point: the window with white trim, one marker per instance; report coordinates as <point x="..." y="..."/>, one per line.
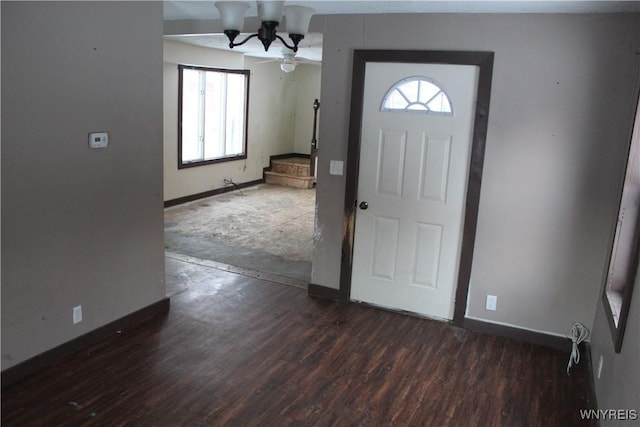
<point x="417" y="94"/>
<point x="212" y="115"/>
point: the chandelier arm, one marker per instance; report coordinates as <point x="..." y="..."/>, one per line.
<point x="293" y="48"/>
<point x="232" y="44"/>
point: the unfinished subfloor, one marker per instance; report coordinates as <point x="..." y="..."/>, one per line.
<point x="263" y="231"/>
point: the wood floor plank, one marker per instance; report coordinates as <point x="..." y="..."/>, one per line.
<point x="237" y="351"/>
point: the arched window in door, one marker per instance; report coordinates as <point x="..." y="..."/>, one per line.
<point x="417" y="94"/>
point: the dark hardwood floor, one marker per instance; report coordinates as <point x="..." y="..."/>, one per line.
<point x="237" y="351"/>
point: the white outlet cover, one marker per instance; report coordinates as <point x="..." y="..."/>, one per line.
<point x="492" y="302"/>
<point x="77" y="314"/>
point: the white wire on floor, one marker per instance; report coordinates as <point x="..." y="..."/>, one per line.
<point x="578" y="333"/>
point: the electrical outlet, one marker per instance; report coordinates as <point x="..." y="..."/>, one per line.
<point x="492" y="302"/>
<point x="600" y="363"/>
<point x="77" y="314"/>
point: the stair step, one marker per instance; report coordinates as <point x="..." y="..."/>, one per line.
<point x="288" y="180"/>
<point x="295" y="166"/>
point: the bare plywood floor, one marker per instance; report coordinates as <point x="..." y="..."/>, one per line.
<point x="237" y="351"/>
<point x="266" y="228"/>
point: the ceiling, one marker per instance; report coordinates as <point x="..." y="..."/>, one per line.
<point x="204" y="9"/>
<point x="311" y="46"/>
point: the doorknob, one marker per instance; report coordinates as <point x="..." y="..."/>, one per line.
<point x="364" y="205"/>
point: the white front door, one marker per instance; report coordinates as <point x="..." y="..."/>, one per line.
<point x="412" y="182"/>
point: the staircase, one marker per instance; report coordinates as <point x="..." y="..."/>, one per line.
<point x="290" y="171"/>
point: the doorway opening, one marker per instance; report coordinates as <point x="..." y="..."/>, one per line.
<point x="220" y="212"/>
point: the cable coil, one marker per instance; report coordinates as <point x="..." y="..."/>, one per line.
<point x="578" y="333"/>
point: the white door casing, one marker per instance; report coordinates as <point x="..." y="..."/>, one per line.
<point x="413" y="173"/>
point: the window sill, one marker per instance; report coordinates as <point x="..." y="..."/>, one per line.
<point x="210" y="162"/>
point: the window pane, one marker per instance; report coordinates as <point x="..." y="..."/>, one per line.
<point x="191" y="147"/>
<point x="235" y="114"/>
<point x="395" y="101"/>
<point x="410" y="89"/>
<point x="440" y="104"/>
<point x="214" y="115"/>
<point x="427" y="91"/>
<point x="417" y="107"/>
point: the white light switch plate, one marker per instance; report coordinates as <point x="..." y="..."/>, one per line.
<point x="98" y="139"/>
<point x="336" y="167"/>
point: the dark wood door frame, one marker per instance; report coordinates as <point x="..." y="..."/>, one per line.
<point x="484" y="61"/>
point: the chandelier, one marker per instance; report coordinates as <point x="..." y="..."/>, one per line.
<point x="270" y="13"/>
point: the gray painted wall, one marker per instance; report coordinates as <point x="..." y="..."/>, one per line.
<point x="79" y="226"/>
<point x="561" y="111"/>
